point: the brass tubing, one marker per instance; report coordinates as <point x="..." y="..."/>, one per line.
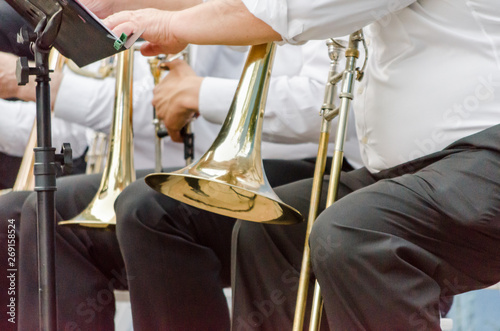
<point x="25" y="180"/>
<point x="334" y="50"/>
<point x="119" y="170"/>
<point x="319" y="171"/>
<point x="345" y="104"/>
<point x="229" y="178"/>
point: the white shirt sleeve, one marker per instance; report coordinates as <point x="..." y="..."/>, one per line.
<point x="294" y="98"/>
<point x="296" y="93"/>
<point x="17" y="122"/>
<point x="297" y="20"/>
<point x="216" y="95"/>
<point x="296" y="90"/>
<point x="86" y="101"/>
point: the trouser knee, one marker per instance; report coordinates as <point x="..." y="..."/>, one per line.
<point x="140" y="208"/>
<point x="248" y="235"/>
<point x="331" y="239"/>
<point x="131" y="204"/>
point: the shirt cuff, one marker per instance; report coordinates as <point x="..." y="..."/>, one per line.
<point x="275" y="14"/>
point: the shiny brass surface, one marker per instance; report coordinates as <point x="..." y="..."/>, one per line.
<point x="335" y="50"/>
<point x="229" y="178"/>
<point x="328" y="111"/>
<point x="96" y="154"/>
<point x="351" y="73"/>
<point x="119" y="170"/>
<point x="25" y="180"/>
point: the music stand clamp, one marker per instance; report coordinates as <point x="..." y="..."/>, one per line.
<point x="46" y="160"/>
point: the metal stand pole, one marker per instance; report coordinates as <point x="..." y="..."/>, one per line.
<point x="45" y="163"/>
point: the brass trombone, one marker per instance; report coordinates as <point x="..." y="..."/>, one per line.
<point x="105" y="69"/>
<point x="229" y="178"/>
<point x="96" y="153"/>
<point x="119" y="169"/>
<point x="25" y="180"/>
<point x="328" y="112"/>
<point x="95" y="156"/>
<point x="348" y="76"/>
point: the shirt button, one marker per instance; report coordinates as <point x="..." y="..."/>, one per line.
<point x="364" y="140"/>
<point x="361" y="89"/>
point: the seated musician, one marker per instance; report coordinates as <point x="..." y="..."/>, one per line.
<point x="421" y="220"/>
<point x="294" y="99"/>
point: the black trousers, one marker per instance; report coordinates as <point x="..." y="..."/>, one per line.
<point x="387" y="250"/>
<point x="9" y="167"/>
<point x="89" y="264"/>
<point x="10" y="211"/>
<point x="10" y="223"/>
<point x="177" y="257"/>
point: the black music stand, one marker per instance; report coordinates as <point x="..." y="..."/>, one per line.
<point x="67" y="26"/>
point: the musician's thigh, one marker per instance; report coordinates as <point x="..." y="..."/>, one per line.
<point x="450" y="208"/>
<point x="290" y="239"/>
<point x="280" y="172"/>
<point x="74" y="193"/>
<point x="10" y="208"/>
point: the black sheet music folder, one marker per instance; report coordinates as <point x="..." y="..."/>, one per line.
<point x="82" y="36"/>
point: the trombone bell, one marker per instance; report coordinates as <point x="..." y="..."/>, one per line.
<point x="119" y="169"/>
<point x="229" y="178"/>
<point x="194" y="187"/>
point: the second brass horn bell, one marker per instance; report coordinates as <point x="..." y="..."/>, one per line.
<point x="119" y="170"/>
<point x="229" y="178"/>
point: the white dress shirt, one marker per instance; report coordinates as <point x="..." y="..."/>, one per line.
<point x="90" y="102"/>
<point x="291" y="118"/>
<point x="16" y="122"/>
<point x="433" y="71"/>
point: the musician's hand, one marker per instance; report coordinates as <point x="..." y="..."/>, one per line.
<point x="9" y="89"/>
<point x="8" y="81"/>
<point x="176" y="98"/>
<point x="154" y="25"/>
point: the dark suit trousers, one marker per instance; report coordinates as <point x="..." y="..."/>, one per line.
<point x="178" y="257"/>
<point x="89" y="264"/>
<point x="387" y="250"/>
<point x="11" y="204"/>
